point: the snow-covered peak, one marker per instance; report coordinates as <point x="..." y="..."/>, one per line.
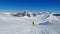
<point x="5" y="14"/>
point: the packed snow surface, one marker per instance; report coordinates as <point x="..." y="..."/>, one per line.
<point x="44" y="24"/>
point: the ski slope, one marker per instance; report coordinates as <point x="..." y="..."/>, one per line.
<point x="23" y="25"/>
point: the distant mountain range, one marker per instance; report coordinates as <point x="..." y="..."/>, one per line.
<point x="29" y="14"/>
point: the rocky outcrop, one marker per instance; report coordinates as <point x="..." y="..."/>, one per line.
<point x="22" y="14"/>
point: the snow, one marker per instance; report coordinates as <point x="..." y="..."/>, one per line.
<point x="23" y="25"/>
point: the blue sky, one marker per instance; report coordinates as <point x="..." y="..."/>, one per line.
<point x="30" y="5"/>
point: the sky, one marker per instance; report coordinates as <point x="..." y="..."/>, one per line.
<point x="30" y="5"/>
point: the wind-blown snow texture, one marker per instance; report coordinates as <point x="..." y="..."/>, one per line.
<point x="45" y="24"/>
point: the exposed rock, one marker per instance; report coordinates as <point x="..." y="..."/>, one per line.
<point x="22" y="14"/>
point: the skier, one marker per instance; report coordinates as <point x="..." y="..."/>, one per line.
<point x="33" y="24"/>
